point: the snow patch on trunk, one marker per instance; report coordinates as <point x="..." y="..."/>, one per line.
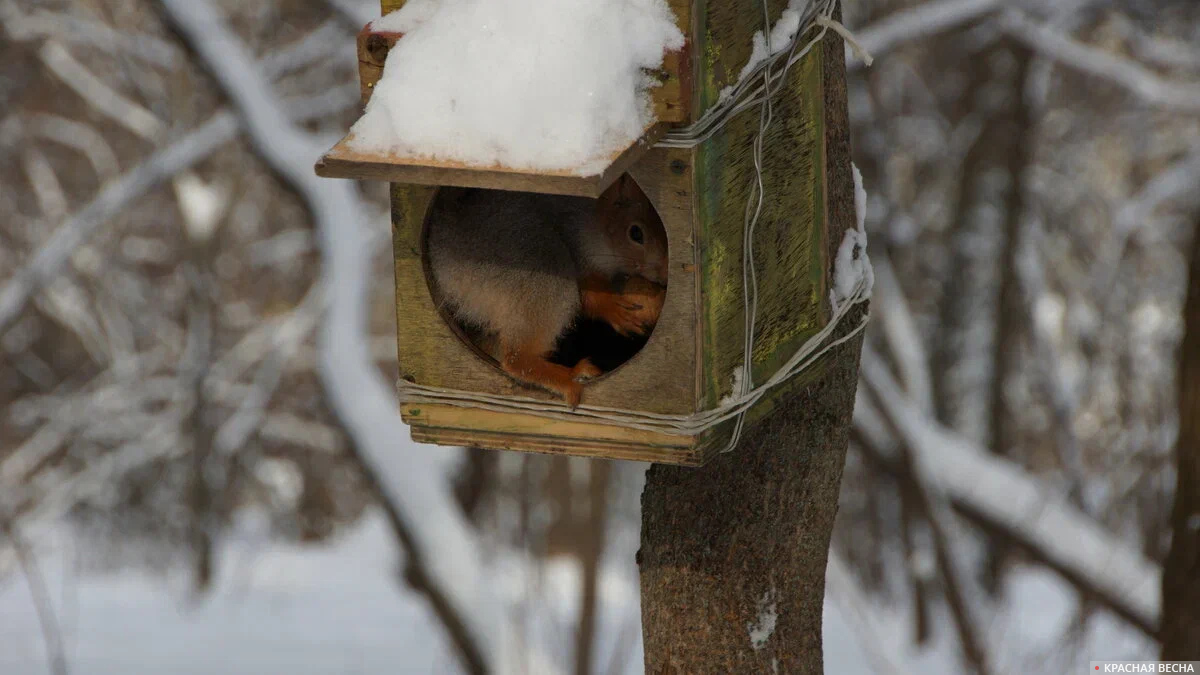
<point x="852" y="264"/>
<point x="761" y="630"/>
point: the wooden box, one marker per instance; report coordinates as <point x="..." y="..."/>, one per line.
<point x="688" y="363"/>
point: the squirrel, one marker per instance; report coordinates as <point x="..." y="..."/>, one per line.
<point x="521" y="268"/>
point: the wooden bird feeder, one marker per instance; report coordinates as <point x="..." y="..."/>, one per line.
<point x="687" y="365"/>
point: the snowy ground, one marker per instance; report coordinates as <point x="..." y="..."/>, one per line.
<point x="275" y="609"/>
<point x="337" y="608"/>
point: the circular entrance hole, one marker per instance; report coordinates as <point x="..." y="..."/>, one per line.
<point x="554" y="291"/>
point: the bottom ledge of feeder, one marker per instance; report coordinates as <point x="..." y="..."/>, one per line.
<point x="441" y="424"/>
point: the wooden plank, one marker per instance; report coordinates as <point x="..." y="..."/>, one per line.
<point x="555" y="446"/>
<point x="343" y="162"/>
<point x="373" y="48"/>
<point x="663" y="377"/>
<point x="790" y="238"/>
<point x="448" y="425"/>
<point x="660" y="378"/>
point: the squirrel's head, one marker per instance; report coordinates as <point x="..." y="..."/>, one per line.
<point x="633" y="232"/>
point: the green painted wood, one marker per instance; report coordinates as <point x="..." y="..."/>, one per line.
<point x="790" y="237"/>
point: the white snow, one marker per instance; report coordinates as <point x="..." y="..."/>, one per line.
<point x="275" y="608"/>
<point x="1031" y="630"/>
<point x="1005" y="495"/>
<point x="410" y="476"/>
<point x="533" y="84"/>
<point x="202" y="206"/>
<point x="739" y="374"/>
<point x="852" y="263"/>
<point x="783" y="32"/>
<point x="761" y="630"/>
<point x="337" y="607"/>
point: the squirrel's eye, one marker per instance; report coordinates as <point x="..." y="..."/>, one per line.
<point x="635" y="233"/>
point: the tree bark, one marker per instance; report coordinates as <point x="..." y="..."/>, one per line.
<point x="733" y="555"/>
<point x="1018" y="123"/>
<point x="1180" y="623"/>
<point x="590" y="555"/>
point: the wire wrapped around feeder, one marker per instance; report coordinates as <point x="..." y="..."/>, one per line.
<point x="715" y="168"/>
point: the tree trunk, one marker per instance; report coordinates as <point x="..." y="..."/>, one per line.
<point x="983" y="284"/>
<point x="1180" y="623"/>
<point x="733" y="555"/>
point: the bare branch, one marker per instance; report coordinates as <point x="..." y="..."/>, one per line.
<point x="1106" y="65"/>
<point x="67" y="28"/>
<point x="994" y="491"/>
<point x="900" y="330"/>
<point x="113" y="199"/>
<point x="924" y="20"/>
<point x="56" y="655"/>
<point x="358" y="394"/>
<point x="861" y="612"/>
<point x="47" y="189"/>
<point x="357" y="13"/>
<point x="1176" y="183"/>
<point x="118" y="195"/>
<point x="115" y="106"/>
<point x="1181" y="582"/>
<point x="79" y="136"/>
<point x="931" y="505"/>
<point x="318" y="45"/>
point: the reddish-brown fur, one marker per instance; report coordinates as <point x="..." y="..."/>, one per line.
<point x="502" y="264"/>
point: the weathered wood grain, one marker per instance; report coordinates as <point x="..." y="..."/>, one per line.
<point x="790" y="236"/>
<point x="343" y="162"/>
<point x="448" y="425"/>
<point x="660" y="378"/>
<point x="372" y="48"/>
<point x="701" y="194"/>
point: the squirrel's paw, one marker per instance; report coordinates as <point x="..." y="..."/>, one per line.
<point x="637" y="307"/>
<point x="573" y="392"/>
<point x="585" y="370"/>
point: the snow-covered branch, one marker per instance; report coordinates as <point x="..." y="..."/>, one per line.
<point x="114" y="198"/>
<point x="65" y="27"/>
<point x="919" y="22"/>
<point x="122" y="192"/>
<point x="1126" y="73"/>
<point x="1000" y="494"/>
<point x="357" y="13"/>
<point x="900" y="329"/>
<point x="441" y="546"/>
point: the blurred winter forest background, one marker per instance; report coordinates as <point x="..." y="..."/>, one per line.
<point x="200" y="469"/>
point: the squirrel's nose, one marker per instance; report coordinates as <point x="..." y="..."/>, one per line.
<point x="656" y="273"/>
